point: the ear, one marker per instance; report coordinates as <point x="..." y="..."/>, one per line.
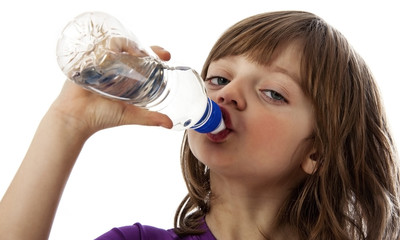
<point x="309" y="164"/>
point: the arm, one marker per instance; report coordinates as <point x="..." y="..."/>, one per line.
<point x="28" y="207"/>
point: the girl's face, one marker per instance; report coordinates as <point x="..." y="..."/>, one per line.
<point x="268" y="118"/>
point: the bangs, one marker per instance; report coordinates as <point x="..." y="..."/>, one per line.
<point x="261" y="37"/>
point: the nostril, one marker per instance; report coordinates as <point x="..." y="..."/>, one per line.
<point x="231" y="96"/>
<point x="228" y="101"/>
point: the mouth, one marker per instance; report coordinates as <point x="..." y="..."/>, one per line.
<point x="221" y="136"/>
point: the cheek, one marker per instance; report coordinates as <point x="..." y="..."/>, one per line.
<point x="267" y="139"/>
<point x="277" y="139"/>
<point x="194" y="140"/>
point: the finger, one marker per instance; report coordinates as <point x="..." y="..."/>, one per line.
<point x="159" y="119"/>
<point x="140" y="116"/>
<point x="161" y="52"/>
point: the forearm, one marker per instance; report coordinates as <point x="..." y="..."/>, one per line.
<point x="28" y="207"/>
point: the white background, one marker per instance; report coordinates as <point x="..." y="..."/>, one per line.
<point x="132" y="173"/>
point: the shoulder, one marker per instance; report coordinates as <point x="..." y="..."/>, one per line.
<point x="138" y="232"/>
<point x="145" y="232"/>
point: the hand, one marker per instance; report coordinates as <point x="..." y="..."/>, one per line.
<point x="121" y="44"/>
<point x="30" y="203"/>
<point x="88" y="113"/>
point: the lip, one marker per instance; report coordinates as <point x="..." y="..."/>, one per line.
<point x="221" y="136"/>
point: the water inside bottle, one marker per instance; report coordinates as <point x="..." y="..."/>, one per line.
<point x="137" y="80"/>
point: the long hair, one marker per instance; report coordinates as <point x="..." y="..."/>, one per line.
<point x="354" y="192"/>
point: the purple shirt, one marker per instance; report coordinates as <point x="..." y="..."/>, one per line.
<point x="143" y="232"/>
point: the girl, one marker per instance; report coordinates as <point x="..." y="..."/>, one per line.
<point x="306" y="153"/>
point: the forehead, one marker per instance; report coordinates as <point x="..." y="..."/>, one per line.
<point x="285" y="59"/>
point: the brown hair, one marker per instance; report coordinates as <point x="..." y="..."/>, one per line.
<point x="354" y="193"/>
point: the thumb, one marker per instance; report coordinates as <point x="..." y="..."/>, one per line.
<point x="141" y="116"/>
<point x="162" y="53"/>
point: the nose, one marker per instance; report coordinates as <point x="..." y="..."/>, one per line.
<point x="232" y="94"/>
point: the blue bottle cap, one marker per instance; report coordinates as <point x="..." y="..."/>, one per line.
<point x="210" y="120"/>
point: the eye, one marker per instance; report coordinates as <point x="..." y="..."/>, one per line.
<point x="217" y="81"/>
<point x="274" y="96"/>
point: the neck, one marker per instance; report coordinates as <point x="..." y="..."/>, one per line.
<point x="242" y="211"/>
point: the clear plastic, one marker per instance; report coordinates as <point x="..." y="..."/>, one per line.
<point x="98" y="53"/>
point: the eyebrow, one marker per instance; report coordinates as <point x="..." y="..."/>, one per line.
<point x="294" y="77"/>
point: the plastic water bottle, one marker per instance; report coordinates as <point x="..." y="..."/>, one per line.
<point x="98" y="53"/>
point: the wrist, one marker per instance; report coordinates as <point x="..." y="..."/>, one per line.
<point x="67" y="125"/>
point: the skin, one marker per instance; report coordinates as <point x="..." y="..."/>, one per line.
<point x="255" y="166"/>
<point x="28" y="207"/>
